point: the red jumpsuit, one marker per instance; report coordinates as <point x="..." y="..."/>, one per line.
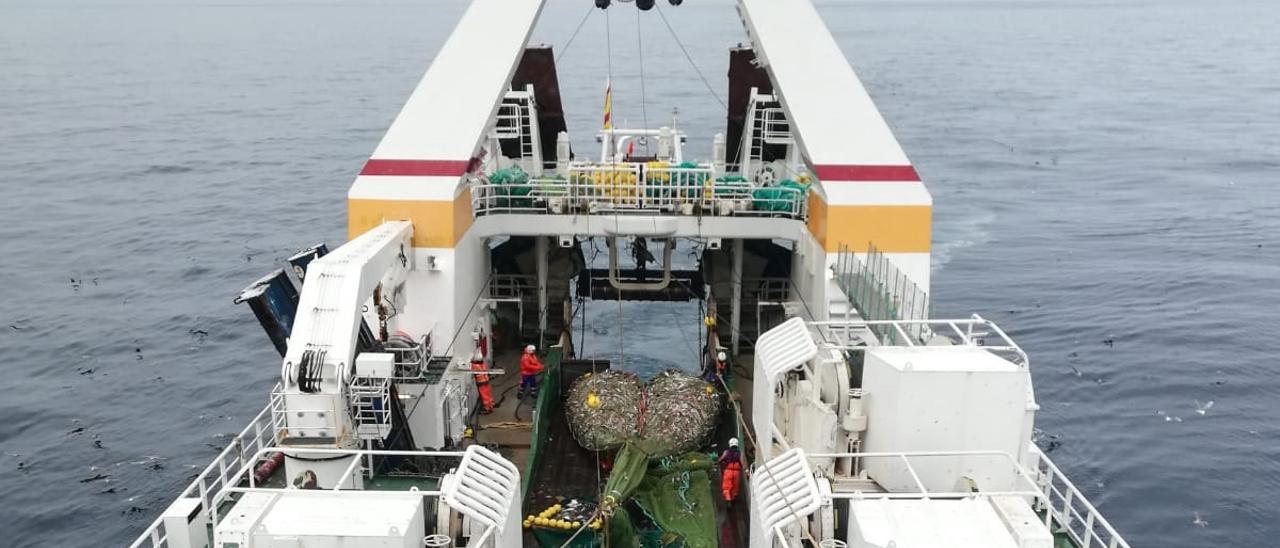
<point x="530" y="366"/>
<point x="482" y="381"/>
<point x="731" y="473"/>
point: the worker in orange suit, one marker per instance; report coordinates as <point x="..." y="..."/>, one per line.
<point x="530" y="367"/>
<point x="730" y="470"/>
<point x="482" y="376"/>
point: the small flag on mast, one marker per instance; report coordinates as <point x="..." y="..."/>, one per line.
<point x="608" y="104"/>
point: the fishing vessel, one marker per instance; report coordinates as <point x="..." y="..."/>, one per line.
<point x="478" y="236"/>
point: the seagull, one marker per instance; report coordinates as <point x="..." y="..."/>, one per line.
<point x="1199" y="521"/>
<point x="1203" y="408"/>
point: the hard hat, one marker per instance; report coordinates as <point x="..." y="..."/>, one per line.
<point x="733" y="442"/>
<point x="530" y="349"/>
<point x="721" y="356"/>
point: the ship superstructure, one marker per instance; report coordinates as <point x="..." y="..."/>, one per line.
<point x="475" y="229"/>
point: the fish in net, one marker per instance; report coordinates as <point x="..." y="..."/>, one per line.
<point x="603" y="409"/>
<point x="673" y="413"/>
<point x="680" y="413"/>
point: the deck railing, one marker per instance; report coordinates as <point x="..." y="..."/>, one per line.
<point x="974" y="331"/>
<point x="1067" y="507"/>
<point x="879" y="290"/>
<point x="1063" y="507"/>
<point x="638" y="189"/>
<point x="226" y="469"/>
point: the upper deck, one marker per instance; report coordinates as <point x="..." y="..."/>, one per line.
<point x="636" y="188"/>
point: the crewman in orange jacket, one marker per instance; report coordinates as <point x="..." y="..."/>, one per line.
<point x="530" y="367"/>
<point x="482" y="376"/>
<point x="730" y="470"/>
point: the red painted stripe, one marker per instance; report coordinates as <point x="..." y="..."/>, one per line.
<point x="420" y="168"/>
<point x="866" y="173"/>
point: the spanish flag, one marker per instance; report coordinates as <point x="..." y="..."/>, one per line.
<point x="608" y="104"/>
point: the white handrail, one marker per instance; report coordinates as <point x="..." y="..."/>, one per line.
<point x="960" y="331"/>
<point x="255" y="438"/>
<point x="1054" y="495"/>
<point x="638" y="188"/>
<point x="1084" y="524"/>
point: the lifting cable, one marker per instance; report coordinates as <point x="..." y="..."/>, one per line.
<point x="565" y="49"/>
<point x="689" y="58"/>
<point x="644" y="107"/>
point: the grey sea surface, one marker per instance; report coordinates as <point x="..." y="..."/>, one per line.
<point x="1104" y="174"/>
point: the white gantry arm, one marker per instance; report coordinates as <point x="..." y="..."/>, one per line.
<point x="486" y="487"/>
<point x="783" y="492"/>
<point x="779" y="350"/>
<point x="330" y="308"/>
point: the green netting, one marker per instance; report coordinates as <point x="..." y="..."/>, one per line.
<point x="673" y="492"/>
<point x="560" y="538"/>
<point x="629" y="468"/>
<point x="548" y="404"/>
<point x="659" y="180"/>
<point x="511" y="187"/>
<point x="732" y="184"/>
<point x="779" y="198"/>
<point x="680" y="504"/>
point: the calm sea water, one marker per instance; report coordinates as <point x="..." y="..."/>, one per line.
<point x="1105" y="178"/>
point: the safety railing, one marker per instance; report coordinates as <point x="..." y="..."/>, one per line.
<point x="511" y="286"/>
<point x="490" y="500"/>
<point x="225" y="470"/>
<point x="879" y="290"/>
<point x="410" y="356"/>
<point x="777" y="129"/>
<point x="974" y="331"/>
<point x="1066" y="506"/>
<point x="624" y="188"/>
<point x="370" y="400"/>
<point x="1062" y="506"/>
<point x="1026" y="484"/>
<point x="767" y="289"/>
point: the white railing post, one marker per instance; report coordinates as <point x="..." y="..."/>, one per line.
<point x="1088" y="527"/>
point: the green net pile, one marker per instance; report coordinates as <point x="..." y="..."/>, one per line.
<point x="779" y="198"/>
<point x="511" y="186"/>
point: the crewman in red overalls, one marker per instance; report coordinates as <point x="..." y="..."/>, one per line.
<point x="730" y="470"/>
<point x="530" y="366"/>
<point x="482" y="378"/>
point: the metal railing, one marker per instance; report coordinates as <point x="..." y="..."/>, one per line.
<point x="767" y="289"/>
<point x="488" y="502"/>
<point x="879" y="290"/>
<point x="638" y="188"/>
<point x="1050" y="492"/>
<point x="225" y="470"/>
<point x="777" y="129"/>
<point x="1028" y="486"/>
<point x="370" y="399"/>
<point x="512" y="286"/>
<point x="974" y="331"/>
<point x="410" y="359"/>
<point x="1066" y="506"/>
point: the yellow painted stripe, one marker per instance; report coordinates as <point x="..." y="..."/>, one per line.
<point x="892" y="228"/>
<point x="436" y="223"/>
